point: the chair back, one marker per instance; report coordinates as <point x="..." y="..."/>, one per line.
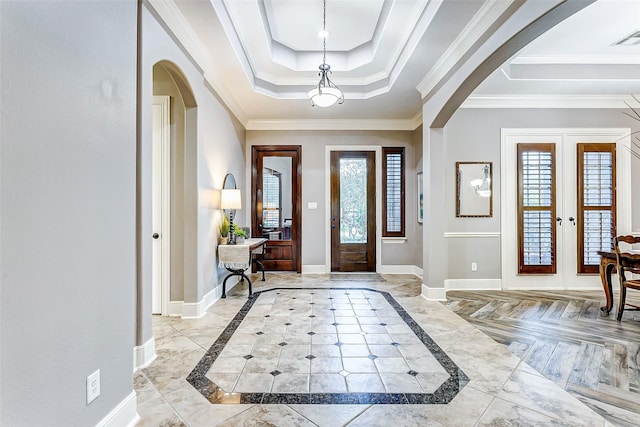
<point x="627" y="253"/>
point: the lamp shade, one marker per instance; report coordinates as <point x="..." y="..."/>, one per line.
<point x="230" y="199"/>
<point x="325" y="97"/>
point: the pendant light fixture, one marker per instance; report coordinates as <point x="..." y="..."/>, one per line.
<point x="326" y="93"/>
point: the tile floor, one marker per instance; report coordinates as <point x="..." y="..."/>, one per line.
<point x="318" y="350"/>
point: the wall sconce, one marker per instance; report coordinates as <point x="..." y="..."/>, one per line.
<point x="230" y="200"/>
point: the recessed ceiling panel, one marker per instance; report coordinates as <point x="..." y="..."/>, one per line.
<point x="350" y="23"/>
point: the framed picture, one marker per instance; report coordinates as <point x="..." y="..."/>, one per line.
<point x="420" y="199"/>
<point x="474" y="189"/>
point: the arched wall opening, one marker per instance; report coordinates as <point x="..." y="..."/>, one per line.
<point x="169" y="81"/>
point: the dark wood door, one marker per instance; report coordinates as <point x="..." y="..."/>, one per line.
<point x="276" y="186"/>
<point x="353" y="226"/>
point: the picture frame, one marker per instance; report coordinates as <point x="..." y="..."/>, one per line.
<point x="474" y="189"/>
<point x="420" y="199"/>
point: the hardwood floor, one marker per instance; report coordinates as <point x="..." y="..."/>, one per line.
<point x="563" y="336"/>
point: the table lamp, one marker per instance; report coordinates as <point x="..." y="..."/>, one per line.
<point x="230" y="200"/>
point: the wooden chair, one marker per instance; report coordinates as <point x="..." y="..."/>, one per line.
<point x="627" y="263"/>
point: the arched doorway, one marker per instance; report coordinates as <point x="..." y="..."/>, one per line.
<point x="174" y="193"/>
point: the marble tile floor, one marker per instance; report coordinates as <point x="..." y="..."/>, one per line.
<point x="500" y="390"/>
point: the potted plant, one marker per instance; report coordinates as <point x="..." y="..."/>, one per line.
<point x="224" y="231"/>
<point x="239" y="233"/>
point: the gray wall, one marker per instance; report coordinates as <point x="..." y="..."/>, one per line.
<point x="314" y="222"/>
<point x="474" y="135"/>
<point x="217" y="149"/>
<point x="67" y="208"/>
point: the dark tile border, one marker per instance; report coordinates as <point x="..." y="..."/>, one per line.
<point x="444" y="394"/>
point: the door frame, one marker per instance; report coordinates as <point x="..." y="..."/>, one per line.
<point x="508" y="223"/>
<point x="296" y="230"/>
<point x="378" y="211"/>
<point x="161" y="176"/>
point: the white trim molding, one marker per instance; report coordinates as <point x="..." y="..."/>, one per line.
<point x="401" y="269"/>
<point x="314" y="269"/>
<point x="546" y="101"/>
<point x="394" y="240"/>
<point x="340" y="124"/>
<point x="144" y="355"/>
<point x="194" y="310"/>
<point x="468" y="235"/>
<point x="124" y="414"/>
<point x="434" y="294"/>
<point x="473" y="284"/>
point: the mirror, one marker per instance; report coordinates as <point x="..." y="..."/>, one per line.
<point x="277" y="204"/>
<point x="474" y="189"/>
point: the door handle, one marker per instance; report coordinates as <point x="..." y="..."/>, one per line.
<point x="333" y="226"/>
<point x="572" y="220"/>
<point x="155" y="235"/>
<point x="559" y="220"/>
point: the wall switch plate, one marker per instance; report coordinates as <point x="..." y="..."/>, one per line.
<point x="312" y="205"/>
<point x="474" y="266"/>
<point x="93" y="386"/>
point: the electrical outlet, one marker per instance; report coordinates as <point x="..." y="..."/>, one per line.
<point x="474" y="266"/>
<point x="93" y="386"/>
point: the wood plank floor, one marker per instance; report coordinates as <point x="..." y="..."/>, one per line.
<point x="562" y="335"/>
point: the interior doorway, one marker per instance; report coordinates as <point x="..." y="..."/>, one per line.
<point x="174" y="192"/>
<point x="276" y="200"/>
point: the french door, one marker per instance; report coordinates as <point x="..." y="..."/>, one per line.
<point x="353" y="205"/>
<point x="559" y="205"/>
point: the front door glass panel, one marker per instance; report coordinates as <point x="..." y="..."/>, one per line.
<point x="353" y="200"/>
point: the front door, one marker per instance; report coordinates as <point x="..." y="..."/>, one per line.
<point x="353" y="195"/>
<point x="276" y="185"/>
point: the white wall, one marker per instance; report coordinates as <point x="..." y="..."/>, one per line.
<point x="314" y="170"/>
<point x="67" y="209"/>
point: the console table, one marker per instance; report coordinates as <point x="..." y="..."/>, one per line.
<point x="237" y="259"/>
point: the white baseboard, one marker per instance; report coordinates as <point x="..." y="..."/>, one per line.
<point x="194" y="310"/>
<point x="175" y="308"/>
<point x="473" y="284"/>
<point x="401" y="269"/>
<point x="434" y="294"/>
<point x="122" y="415"/>
<point x="144" y="354"/>
<point x="384" y="269"/>
<point x="314" y="269"/>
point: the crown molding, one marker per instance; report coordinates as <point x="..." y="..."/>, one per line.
<point x="170" y="14"/>
<point x="490" y="11"/>
<point x="364" y="124"/>
<point x="547" y="101"/>
<point x="575" y="59"/>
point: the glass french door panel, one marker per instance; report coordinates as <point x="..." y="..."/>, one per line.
<point x="597" y="203"/>
<point x="353" y="200"/>
<point x="598" y="229"/>
<point x="537" y="221"/>
<point x="538" y="237"/>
